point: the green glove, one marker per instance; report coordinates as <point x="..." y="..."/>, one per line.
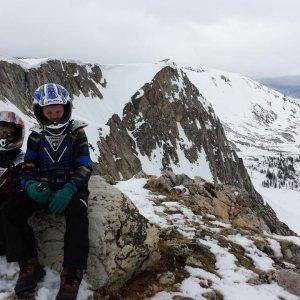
<point x="61" y="198"/>
<point x="38" y="191"/>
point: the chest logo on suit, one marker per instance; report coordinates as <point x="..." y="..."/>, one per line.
<point x="55" y="141"/>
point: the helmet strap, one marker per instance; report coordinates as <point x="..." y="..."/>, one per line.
<point x="55" y="131"/>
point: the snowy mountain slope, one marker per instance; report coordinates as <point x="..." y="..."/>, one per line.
<point x="253" y="113"/>
<point x="122" y="82"/>
<point x="264" y="127"/>
<point x="254" y="116"/>
<point x="259" y="121"/>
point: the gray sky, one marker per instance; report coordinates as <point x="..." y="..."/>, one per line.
<point x="252" y="37"/>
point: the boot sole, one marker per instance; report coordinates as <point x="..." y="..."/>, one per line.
<point x="32" y="287"/>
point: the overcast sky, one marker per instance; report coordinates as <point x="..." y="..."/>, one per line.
<point x="253" y="37"/>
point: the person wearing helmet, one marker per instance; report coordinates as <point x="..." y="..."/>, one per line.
<point x="55" y="175"/>
<point x="11" y="157"/>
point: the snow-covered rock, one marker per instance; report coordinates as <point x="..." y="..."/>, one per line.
<point x="210" y="258"/>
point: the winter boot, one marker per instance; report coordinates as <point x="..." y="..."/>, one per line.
<point x="70" y="279"/>
<point x="31" y="272"/>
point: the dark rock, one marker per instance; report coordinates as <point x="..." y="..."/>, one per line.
<point x="17" y="84"/>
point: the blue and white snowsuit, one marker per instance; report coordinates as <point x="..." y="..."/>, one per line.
<point x="57" y="158"/>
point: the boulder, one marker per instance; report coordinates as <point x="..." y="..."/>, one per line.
<point x="289" y="280"/>
<point x="122" y="242"/>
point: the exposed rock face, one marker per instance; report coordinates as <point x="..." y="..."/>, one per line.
<point x="18" y="84"/>
<point x="212" y="239"/>
<point x="122" y="242"/>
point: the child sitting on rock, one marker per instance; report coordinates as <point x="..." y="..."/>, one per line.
<point x="11" y="156"/>
<point x="55" y="175"/>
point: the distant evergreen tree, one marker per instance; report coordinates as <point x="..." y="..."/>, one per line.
<point x="281" y="171"/>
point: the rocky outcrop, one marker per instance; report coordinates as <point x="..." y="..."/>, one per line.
<point x="17" y="84"/>
<point x="228" y="203"/>
<point x="211" y="239"/>
<point x="122" y="242"/>
<point x="204" y="238"/>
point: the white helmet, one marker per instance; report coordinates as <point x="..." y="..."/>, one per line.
<point x="9" y="117"/>
<point x="52" y="94"/>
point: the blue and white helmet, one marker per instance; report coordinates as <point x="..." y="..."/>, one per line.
<point x="52" y="94"/>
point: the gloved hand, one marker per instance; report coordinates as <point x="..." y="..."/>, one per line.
<point x="61" y="198"/>
<point x="38" y="191"/>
